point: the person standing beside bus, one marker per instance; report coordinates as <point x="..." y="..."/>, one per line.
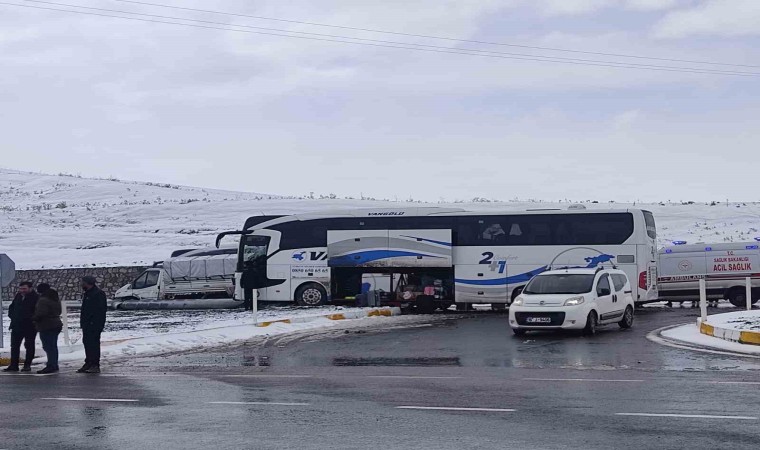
<point x="22" y="328"/>
<point x="92" y="320"/>
<point x="47" y="319"/>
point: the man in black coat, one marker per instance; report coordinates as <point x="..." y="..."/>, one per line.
<point x="22" y="327"/>
<point x="92" y="320"/>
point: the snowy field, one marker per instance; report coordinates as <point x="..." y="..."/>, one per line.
<point x="57" y="221"/>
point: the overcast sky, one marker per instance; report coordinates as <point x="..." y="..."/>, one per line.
<point x="103" y="96"/>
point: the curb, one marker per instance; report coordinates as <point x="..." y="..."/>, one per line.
<point x="347" y="315"/>
<point x="728" y="334"/>
<point x="657" y="337"/>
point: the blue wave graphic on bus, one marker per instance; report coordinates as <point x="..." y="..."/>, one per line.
<point x="592" y="261"/>
<point x="520" y="278"/>
<point x="355" y="259"/>
<point x="432" y="241"/>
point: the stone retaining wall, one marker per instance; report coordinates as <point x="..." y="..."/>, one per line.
<point x="67" y="281"/>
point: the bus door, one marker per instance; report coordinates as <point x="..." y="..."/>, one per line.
<point x="254" y="263"/>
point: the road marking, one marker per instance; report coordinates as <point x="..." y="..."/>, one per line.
<point x="259" y="403"/>
<point x="141" y="375"/>
<point x="265" y="376"/>
<point x="14" y="374"/>
<point x="687" y="416"/>
<point x="413" y="377"/>
<point x="447" y="408"/>
<point x="734" y="382"/>
<point x="71" y="399"/>
<point x="585" y="379"/>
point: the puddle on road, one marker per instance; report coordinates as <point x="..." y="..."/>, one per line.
<point x="411" y="362"/>
<point x="256" y="361"/>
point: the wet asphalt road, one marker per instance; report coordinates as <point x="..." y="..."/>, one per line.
<point x="369" y="387"/>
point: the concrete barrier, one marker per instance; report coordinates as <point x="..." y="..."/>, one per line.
<point x="728" y="334"/>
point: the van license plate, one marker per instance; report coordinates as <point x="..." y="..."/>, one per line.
<point x="539" y="319"/>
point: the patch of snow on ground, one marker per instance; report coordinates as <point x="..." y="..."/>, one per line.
<point x="738" y="320"/>
<point x="130" y="333"/>
<point x="690" y="334"/>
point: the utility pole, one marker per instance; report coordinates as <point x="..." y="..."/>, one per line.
<point x="7" y="274"/>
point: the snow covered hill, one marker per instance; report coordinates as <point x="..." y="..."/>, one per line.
<point x="52" y="221"/>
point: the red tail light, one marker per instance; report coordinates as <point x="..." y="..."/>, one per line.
<point x="643" y="280"/>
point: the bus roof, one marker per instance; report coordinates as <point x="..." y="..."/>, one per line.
<point x="425" y="211"/>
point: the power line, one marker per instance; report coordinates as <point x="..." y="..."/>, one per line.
<point x="396" y="43"/>
<point x="404" y="46"/>
<point x="473" y="41"/>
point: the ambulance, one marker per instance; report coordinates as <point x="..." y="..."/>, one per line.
<point x="724" y="267"/>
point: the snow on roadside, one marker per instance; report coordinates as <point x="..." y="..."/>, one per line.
<point x="130" y="333"/>
<point x="690" y="334"/>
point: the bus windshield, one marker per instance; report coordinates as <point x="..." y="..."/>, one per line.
<point x="560" y="283"/>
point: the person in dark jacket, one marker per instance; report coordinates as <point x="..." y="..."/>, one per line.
<point x="47" y="319"/>
<point x="22" y="328"/>
<point x="92" y="320"/>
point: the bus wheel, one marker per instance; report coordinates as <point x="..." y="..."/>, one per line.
<point x="425" y="304"/>
<point x="311" y="294"/>
<point x="738" y="297"/>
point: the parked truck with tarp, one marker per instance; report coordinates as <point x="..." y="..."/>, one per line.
<point x="202" y="274"/>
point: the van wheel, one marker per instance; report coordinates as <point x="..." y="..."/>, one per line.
<point x="311" y="294"/>
<point x="738" y="297"/>
<point x="591" y="323"/>
<point x="627" y="321"/>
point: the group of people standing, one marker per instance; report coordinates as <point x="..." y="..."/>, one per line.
<point x="39" y="311"/>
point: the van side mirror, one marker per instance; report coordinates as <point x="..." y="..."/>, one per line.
<point x="603" y="292"/>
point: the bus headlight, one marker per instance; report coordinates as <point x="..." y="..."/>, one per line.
<point x="518" y="301"/>
<point x="574" y="301"/>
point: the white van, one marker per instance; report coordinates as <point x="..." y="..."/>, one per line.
<point x="724" y="267"/>
<point x="573" y="299"/>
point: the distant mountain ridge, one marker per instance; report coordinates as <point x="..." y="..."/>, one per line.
<point x="51" y="221"/>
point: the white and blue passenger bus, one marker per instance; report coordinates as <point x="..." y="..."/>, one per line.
<point x="433" y="257"/>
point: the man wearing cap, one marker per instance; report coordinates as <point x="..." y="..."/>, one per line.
<point x="92" y="320"/>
